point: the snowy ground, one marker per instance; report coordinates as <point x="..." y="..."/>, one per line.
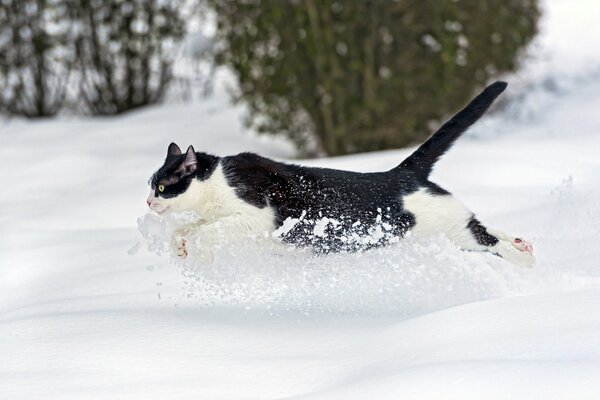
<point x="86" y="311"/>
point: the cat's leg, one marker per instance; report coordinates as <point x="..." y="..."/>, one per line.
<point x="180" y="238"/>
<point x="444" y="213"/>
<point x="471" y="235"/>
<point x="226" y="231"/>
<point x="179" y="246"/>
<point x="516" y="250"/>
<point x="186" y="239"/>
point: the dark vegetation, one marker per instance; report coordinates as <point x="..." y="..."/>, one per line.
<point x="335" y="76"/>
<point x="366" y="75"/>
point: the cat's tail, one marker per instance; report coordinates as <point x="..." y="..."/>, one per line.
<point x="421" y="162"/>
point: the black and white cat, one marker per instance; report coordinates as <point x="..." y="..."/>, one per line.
<point x="326" y="209"/>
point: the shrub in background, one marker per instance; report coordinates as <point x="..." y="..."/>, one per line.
<point x="125" y="51"/>
<point x="366" y="75"/>
<point x="36" y="55"/>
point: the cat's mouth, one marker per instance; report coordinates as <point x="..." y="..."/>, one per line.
<point x="155" y="204"/>
<point x="159" y="208"/>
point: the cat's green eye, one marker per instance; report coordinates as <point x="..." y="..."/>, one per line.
<point x="161" y="188"/>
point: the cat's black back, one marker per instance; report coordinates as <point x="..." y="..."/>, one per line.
<point x="357" y="202"/>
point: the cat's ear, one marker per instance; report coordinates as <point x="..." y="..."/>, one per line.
<point x="189" y="163"/>
<point x="173" y="150"/>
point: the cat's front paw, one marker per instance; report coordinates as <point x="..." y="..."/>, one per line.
<point x="180" y="248"/>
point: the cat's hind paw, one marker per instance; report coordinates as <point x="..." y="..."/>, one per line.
<point x="523" y="245"/>
<point x="517" y="251"/>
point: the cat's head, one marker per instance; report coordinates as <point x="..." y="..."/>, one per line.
<point x="169" y="186"/>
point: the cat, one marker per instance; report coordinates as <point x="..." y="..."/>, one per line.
<point x="327" y="210"/>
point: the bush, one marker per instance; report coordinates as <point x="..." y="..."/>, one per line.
<point x="36" y="56"/>
<point x="125" y="52"/>
<point x="366" y="75"/>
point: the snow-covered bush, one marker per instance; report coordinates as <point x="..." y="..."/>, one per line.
<point x="36" y="56"/>
<point x="125" y="52"/>
<point x="361" y="76"/>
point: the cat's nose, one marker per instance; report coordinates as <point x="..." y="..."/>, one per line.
<point x="148" y="202"/>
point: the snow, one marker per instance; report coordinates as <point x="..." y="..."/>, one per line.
<point x="88" y="310"/>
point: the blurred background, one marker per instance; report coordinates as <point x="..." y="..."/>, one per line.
<point x="333" y="77"/>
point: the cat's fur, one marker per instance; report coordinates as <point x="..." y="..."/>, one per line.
<point x="328" y="209"/>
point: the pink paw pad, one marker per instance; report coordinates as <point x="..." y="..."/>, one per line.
<point x="181" y="249"/>
<point x="523" y="245"/>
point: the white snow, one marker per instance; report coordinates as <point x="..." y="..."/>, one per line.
<point x="88" y="312"/>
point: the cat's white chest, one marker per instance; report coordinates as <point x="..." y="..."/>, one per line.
<point x="214" y="200"/>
